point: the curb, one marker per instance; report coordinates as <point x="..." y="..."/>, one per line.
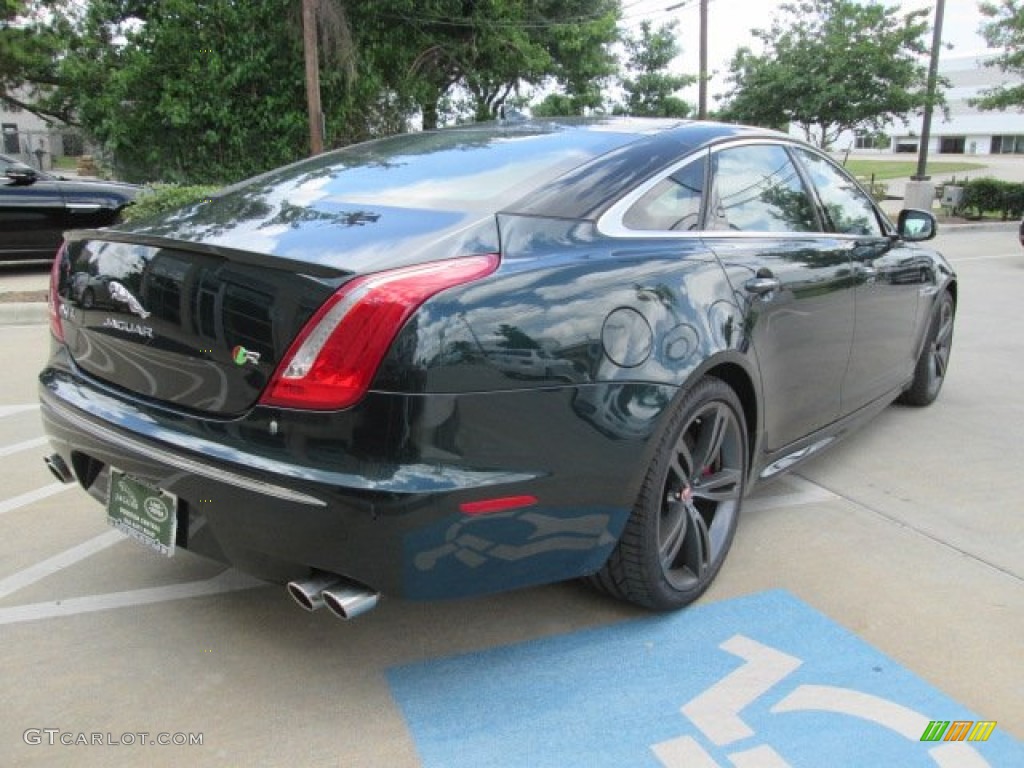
<point x="996" y="226"/>
<point x="24" y="313"/>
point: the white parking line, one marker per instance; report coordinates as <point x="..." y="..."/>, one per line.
<point x="985" y="257"/>
<point x="35" y="442"/>
<point x="806" y="493"/>
<point x="39" y="571"/>
<point x="9" y="505"/>
<point x="10" y="410"/>
<point x="228" y="581"/>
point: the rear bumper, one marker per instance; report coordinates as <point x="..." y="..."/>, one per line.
<point x="277" y="506"/>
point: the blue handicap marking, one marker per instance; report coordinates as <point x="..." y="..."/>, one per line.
<point x="763" y="681"/>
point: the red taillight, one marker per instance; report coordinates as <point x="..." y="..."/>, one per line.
<point x="331" y="363"/>
<point x="53" y="300"/>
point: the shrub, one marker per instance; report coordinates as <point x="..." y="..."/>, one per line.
<point x="988" y="195"/>
<point x="166" y="197"/>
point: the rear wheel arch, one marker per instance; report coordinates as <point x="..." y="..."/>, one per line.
<point x="740" y="381"/>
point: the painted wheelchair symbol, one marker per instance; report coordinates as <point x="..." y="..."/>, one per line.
<point x="716" y="713"/>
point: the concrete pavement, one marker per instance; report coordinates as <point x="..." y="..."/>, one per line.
<point x="909" y="535"/>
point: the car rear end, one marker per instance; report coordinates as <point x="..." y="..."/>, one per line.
<point x="221" y="399"/>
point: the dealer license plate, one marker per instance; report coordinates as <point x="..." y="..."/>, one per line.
<point x="147" y="514"/>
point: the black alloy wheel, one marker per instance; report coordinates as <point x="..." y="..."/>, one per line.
<point x="930" y="371"/>
<point x="685" y="517"/>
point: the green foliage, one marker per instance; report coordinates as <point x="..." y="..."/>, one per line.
<point x="650" y="89"/>
<point x="492" y="48"/>
<point x="162" y="198"/>
<point x="829" y="66"/>
<point x="556" y="104"/>
<point x="1004" y="31"/>
<point x="995" y="196"/>
<point x="32" y="36"/>
<point x="211" y="92"/>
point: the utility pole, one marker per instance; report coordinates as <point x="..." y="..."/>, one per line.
<point x="702" y="97"/>
<point x="702" y="76"/>
<point x="316" y="136"/>
<point x="933" y="72"/>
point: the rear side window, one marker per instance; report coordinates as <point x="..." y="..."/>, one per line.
<point x="756" y="188"/>
<point x="849" y="210"/>
<point x="671" y="204"/>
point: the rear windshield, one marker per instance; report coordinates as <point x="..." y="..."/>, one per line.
<point x="446" y="170"/>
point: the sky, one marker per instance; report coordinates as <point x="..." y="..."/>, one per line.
<point x="730" y="22"/>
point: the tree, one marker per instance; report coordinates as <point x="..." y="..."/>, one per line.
<point x="650" y="89"/>
<point x="491" y="49"/>
<point x="190" y="93"/>
<point x="831" y="66"/>
<point x="29" y="50"/>
<point x="557" y="104"/>
<point x="214" y="91"/>
<point x="1005" y="31"/>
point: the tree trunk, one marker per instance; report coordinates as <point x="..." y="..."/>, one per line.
<point x="429" y="110"/>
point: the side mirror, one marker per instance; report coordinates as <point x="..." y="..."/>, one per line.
<point x="21" y="174"/>
<point x="916" y="225"/>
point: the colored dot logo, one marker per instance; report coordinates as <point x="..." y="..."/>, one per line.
<point x="241" y="356"/>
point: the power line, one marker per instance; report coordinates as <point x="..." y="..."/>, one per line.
<point x="507" y="23"/>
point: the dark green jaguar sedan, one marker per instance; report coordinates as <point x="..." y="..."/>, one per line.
<point x="470" y="360"/>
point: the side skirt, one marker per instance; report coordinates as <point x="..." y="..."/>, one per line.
<point x="778" y="462"/>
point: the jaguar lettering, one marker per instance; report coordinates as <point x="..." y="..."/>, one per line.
<point x="137" y="328"/>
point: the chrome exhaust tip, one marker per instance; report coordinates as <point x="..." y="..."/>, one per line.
<point x="348" y="600"/>
<point x="58" y="468"/>
<point x="308" y="593"/>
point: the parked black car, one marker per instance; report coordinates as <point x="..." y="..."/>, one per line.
<point x="36" y="208"/>
<point x="309" y="377"/>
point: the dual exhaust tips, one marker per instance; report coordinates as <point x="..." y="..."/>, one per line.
<point x="344" y="598"/>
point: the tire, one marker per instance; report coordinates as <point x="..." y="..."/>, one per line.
<point x="685" y="517"/>
<point x="930" y="371"/>
<point x="88" y="299"/>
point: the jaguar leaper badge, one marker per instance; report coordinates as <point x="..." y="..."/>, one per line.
<point x="122" y="295"/>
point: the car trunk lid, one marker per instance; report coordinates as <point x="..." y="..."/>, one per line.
<point x="191" y="329"/>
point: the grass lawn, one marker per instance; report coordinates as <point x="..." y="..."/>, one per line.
<point x="64" y="163"/>
<point x="904" y="169"/>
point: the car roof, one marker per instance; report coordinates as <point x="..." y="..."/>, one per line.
<point x="564" y="167"/>
<point x="655" y="144"/>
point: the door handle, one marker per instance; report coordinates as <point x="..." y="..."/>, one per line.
<point x="762" y="286"/>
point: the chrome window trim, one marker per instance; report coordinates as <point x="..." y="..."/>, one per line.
<point x="610" y="223"/>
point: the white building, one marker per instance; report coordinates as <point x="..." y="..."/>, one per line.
<point x="31" y="139"/>
<point x="968" y="131"/>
